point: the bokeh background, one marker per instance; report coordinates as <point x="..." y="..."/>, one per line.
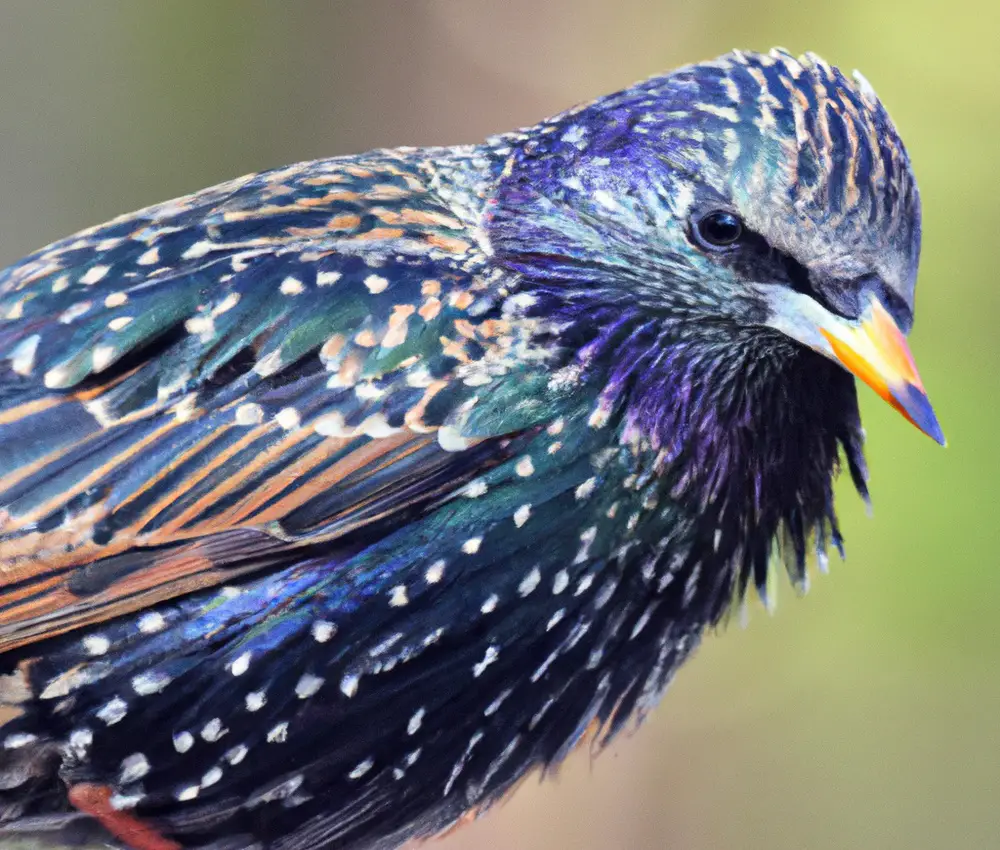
<point x="863" y="716"/>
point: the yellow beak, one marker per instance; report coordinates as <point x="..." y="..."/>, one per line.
<point x="876" y="351"/>
<point x="872" y="347"/>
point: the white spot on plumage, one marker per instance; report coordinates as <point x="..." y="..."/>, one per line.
<point x="419" y="377"/>
<point x="249" y="414"/>
<point x="57" y="378"/>
<point x="121" y="802"/>
<point x="22" y="357"/>
<point x="94" y="274"/>
<point x="491" y="655"/>
<point x="212" y="775"/>
<point x="79" y="742"/>
<point x="471" y="546"/>
<point x="327" y="278"/>
<point x="120" y="323"/>
<point x="398" y="597"/>
<point x="255" y="700"/>
<point x="189" y="793"/>
<point x="199" y="249"/>
<point x="542" y="668"/>
<point x="518" y="301"/>
<point x="102" y="357"/>
<point x="322" y="631"/>
<point x="586" y="540"/>
<point x="376" y="284"/>
<point x="150" y="682"/>
<point x="349" y="685"/>
<point x="640" y="624"/>
<point x="584" y="584"/>
<point x="241" y="664"/>
<point x="133" y="768"/>
<point x="236" y="754"/>
<point x="151" y="623"/>
<point x="585" y="490"/>
<point x="361" y="769"/>
<point x="291" y="286"/>
<point x="241" y="261"/>
<point x="213" y="730"/>
<point x="435" y="572"/>
<point x="560" y="582"/>
<point x="415" y="720"/>
<point x="18" y="740"/>
<point x="332" y="425"/>
<point x="494" y="706"/>
<point x="150" y="257"/>
<point x="606" y="199"/>
<point x="116" y="299"/>
<point x="278" y="734"/>
<point x="226" y="304"/>
<point x="574" y="134"/>
<point x="308" y="685"/>
<point x="288" y="418"/>
<point x="183" y="741"/>
<point x="268" y="364"/>
<point x="367" y="391"/>
<point x="525" y="467"/>
<point x="554" y="619"/>
<point x="529" y="582"/>
<point x="202" y="326"/>
<point x="96" y="644"/>
<point x="599" y="417"/>
<point x="377" y="426"/>
<point x="521" y="515"/>
<point x="451" y="440"/>
<point x="475" y="489"/>
<point x="113" y="711"/>
<point x="70" y="314"/>
<point x="490" y="605"/>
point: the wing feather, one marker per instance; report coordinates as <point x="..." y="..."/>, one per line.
<point x="204" y="387"/>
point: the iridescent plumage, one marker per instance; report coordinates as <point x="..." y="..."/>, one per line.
<point x="336" y="498"/>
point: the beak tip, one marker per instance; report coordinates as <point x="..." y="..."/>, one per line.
<point x="915" y="405"/>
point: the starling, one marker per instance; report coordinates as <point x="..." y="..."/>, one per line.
<point x="336" y="498"/>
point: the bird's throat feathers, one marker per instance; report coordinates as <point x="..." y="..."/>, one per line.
<point x="745" y="430"/>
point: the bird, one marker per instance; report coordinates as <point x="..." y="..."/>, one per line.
<point x="337" y="498"/>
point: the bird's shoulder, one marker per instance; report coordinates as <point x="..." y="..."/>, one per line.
<point x="77" y="307"/>
<point x="193" y="390"/>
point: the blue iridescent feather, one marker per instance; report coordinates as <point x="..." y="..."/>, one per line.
<point x="336" y="498"/>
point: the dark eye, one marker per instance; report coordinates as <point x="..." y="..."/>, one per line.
<point x="719" y="229"/>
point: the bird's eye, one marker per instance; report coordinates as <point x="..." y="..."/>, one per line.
<point x="719" y="229"/>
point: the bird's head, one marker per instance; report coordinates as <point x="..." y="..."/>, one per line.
<point x="744" y="198"/>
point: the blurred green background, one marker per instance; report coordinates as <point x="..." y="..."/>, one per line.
<point x="865" y="715"/>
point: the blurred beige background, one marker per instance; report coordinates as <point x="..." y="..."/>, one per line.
<point x="864" y="716"/>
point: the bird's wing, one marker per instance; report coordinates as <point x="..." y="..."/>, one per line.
<point x="205" y="387"/>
